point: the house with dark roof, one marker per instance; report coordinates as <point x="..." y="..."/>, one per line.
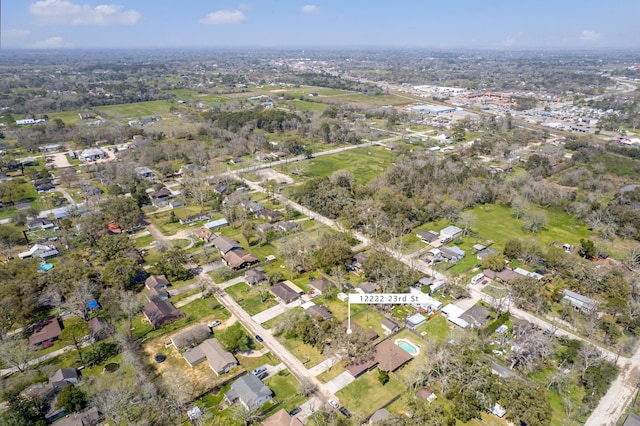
<point x="282" y="418"/>
<point x="39" y="223"/>
<point x="506" y="275"/>
<point x="99" y="328"/>
<point x="370" y="332"/>
<point x="219" y="360"/>
<point x="156" y="281"/>
<point x="390" y="356"/>
<point x="320" y="284"/>
<point x="45" y="332"/>
<point x="321" y="312"/>
<point x="63" y="377"/>
<point x="287" y="226"/>
<point x="390" y="326"/>
<point x="367" y="287"/>
<point x="190" y="336"/>
<point x="249" y="391"/>
<point x="284" y="293"/>
<point x="269" y="215"/>
<point x="224" y="244"/>
<point x="255" y="276"/>
<point x="88" y="417"/>
<point x="161" y="312"/>
<point x="238" y="259"/>
<point x="428" y="236"/>
<point x="476" y="316"/>
<point x="358" y="260"/>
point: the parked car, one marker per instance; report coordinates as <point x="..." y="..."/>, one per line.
<point x="345" y="412"/>
<point x="263" y="375"/>
<point x="259" y="370"/>
<point x="214" y="324"/>
<point x="333" y="404"/>
<point x="295" y="411"/>
<point x="259" y="339"/>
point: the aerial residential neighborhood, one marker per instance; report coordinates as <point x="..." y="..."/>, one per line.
<point x="312" y="233"/>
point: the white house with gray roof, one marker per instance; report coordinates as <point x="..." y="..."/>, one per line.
<point x="250" y="391"/>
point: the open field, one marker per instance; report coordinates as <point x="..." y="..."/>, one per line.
<point x="372" y="100"/>
<point x="365" y="163"/>
<point x="249" y="298"/>
<point x="365" y="395"/>
<point x="135" y="110"/>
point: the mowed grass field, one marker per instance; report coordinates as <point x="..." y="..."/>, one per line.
<point x="136" y="110"/>
<point x="496" y="222"/>
<point x="372" y="100"/>
<point x="365" y="163"/>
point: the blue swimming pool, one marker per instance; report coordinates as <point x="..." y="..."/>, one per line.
<point x="408" y="346"/>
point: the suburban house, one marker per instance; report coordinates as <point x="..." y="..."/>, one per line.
<point x="45" y="332"/>
<point x="250" y="391"/>
<point x="426" y="394"/>
<point x="316" y="311"/>
<point x="224" y="244"/>
<point x="255" y="276"/>
<point x="358" y="260"/>
<point x="388" y="356"/>
<point x="214" y="225"/>
<point x="63" y="377"/>
<point x="160" y="197"/>
<point x="161" y="312"/>
<point x="282" y="418"/>
<point x="39" y="223"/>
<point x="219" y="360"/>
<point x="580" y="302"/>
<point x="428" y="237"/>
<point x="190" y="337"/>
<point x="484" y="253"/>
<point x="145" y="173"/>
<point x="91" y="154"/>
<point x="476" y="316"/>
<point x="451" y="254"/>
<point x="284" y="292"/>
<point x="99" y="328"/>
<point x="269" y="215"/>
<point x="428" y="303"/>
<point x="40" y="250"/>
<point x="415" y="321"/>
<point x="238" y="259"/>
<point x="450" y="233"/>
<point x="157" y="286"/>
<point x="204" y="234"/>
<point x="287" y="226"/>
<point x="506" y="275"/>
<point x="367" y="287"/>
<point x="320" y="284"/>
<point x="390" y="326"/>
<point x="190" y="219"/>
<point x="88" y="417"/>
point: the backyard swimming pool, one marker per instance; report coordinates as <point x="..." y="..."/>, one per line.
<point x="408" y="346"/>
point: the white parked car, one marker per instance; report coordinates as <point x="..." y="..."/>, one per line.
<point x="333" y="403"/>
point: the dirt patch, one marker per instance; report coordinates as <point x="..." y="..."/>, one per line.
<point x="266" y="174"/>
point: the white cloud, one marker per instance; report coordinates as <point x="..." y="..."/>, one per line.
<point x="222" y="17"/>
<point x="590" y="35"/>
<point x="51" y="43"/>
<point x="15" y="33"/>
<point x="513" y="39"/>
<point x="64" y="12"/>
<point x="310" y="9"/>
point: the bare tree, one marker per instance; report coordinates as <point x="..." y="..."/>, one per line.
<point x="16" y="352"/>
<point x="590" y="356"/>
<point x="246" y="416"/>
<point x="307" y="387"/>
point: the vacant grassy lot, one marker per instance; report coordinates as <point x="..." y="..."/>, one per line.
<point x="249" y="298"/>
<point x="373" y="100"/>
<point x="495" y="222"/>
<point x="285" y="389"/>
<point x="365" y="395"/>
<point x="308" y="355"/>
<point x="365" y="163"/>
<point x="309" y="106"/>
<point x="437" y="329"/>
<point x="135" y="110"/>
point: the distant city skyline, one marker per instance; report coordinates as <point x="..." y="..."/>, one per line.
<point x="454" y="24"/>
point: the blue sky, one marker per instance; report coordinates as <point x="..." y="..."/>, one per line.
<point x="493" y="24"/>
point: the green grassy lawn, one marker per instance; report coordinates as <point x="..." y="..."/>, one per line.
<point x="180" y="243"/>
<point x="135" y="110"/>
<point x="495" y="289"/>
<point x="618" y="165"/>
<point x="309" y="106"/>
<point x="437" y="329"/>
<point x="285" y="389"/>
<point x="308" y="355"/>
<point x="369" y="319"/>
<point x="365" y="163"/>
<point x="249" y="298"/>
<point x="373" y="100"/>
<point x="161" y="220"/>
<point x="143" y="241"/>
<point x="333" y="372"/>
<point x="365" y="395"/>
<point x="251" y="362"/>
<point x="211" y="401"/>
<point x="495" y="222"/>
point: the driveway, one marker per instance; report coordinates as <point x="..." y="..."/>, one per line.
<point x="274" y="311"/>
<point x="340" y="382"/>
